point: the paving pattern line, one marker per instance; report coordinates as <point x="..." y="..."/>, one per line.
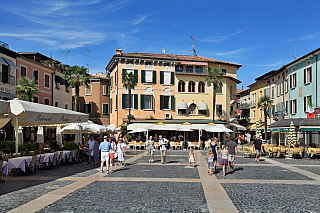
<point x="217" y="198"/>
<point x="186" y="180"/>
<point x="47" y="199"/>
<point x="294" y="169"/>
<point x="260" y="181"/>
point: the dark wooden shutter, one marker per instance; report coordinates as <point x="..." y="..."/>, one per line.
<point x="161" y="102"/>
<point x="154" y="76"/>
<point x="161" y="77"/>
<point x="310" y="74"/>
<point x="124" y="101"/>
<point x="142" y="101"/>
<point x="305" y="76"/>
<point x="124" y="71"/>
<point x="172" y="103"/>
<point x="143" y="76"/>
<point x="172" y="78"/>
<point x="104" y="109"/>
<point x="135" y="101"/>
<point x="136" y="76"/>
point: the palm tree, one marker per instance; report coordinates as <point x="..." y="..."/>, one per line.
<point x="26" y="88"/>
<point x="214" y="77"/>
<point x="264" y="103"/>
<point x="129" y="83"/>
<point x="77" y="76"/>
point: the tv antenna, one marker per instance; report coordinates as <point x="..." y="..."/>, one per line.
<point x="88" y="58"/>
<point x="294" y="46"/>
<point x="193" y="46"/>
<point x="163" y="51"/>
<point x="66" y="52"/>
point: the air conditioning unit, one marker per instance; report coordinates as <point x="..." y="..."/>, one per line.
<point x="167" y="115"/>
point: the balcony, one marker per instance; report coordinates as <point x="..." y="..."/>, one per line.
<point x="233" y="97"/>
<point x="244" y="106"/>
<point x="7" y="79"/>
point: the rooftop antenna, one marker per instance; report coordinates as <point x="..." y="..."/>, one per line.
<point x="66" y="52"/>
<point x="163" y="51"/>
<point x="88" y="58"/>
<point x="294" y="46"/>
<point x="193" y="46"/>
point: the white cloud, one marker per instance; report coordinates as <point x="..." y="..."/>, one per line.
<point x="139" y="20"/>
<point x="220" y="38"/>
<point x="237" y="51"/>
<point x="309" y="37"/>
<point x="271" y="65"/>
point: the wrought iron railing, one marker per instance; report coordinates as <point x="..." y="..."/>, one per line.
<point x="244" y="106"/>
<point x="7" y="79"/>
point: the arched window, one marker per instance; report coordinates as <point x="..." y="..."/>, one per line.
<point x="191" y="86"/>
<point x="201" y="87"/>
<point x="181" y="86"/>
<point x="192" y="109"/>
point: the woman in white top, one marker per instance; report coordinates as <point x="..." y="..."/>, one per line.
<point x="121" y="149"/>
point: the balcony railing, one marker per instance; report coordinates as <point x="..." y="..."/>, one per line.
<point x="7" y="79"/>
<point x="233" y="97"/>
<point x="244" y="106"/>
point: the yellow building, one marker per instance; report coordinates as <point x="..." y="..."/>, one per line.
<point x="256" y="92"/>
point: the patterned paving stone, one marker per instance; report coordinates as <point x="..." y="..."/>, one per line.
<point x="156" y="171"/>
<point x="274" y="197"/>
<point x="263" y="172"/>
<point x="306" y="161"/>
<point x="14" y="199"/>
<point x="170" y="159"/>
<point x="242" y="160"/>
<point x="315" y="170"/>
<point x="133" y="197"/>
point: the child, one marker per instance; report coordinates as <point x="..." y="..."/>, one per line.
<point x="191" y="157"/>
<point x="210" y="157"/>
<point x="224" y="161"/>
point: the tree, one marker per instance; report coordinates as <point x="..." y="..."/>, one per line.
<point x="129" y="83"/>
<point x="26" y="88"/>
<point x="214" y="77"/>
<point x="77" y="76"/>
<point x="264" y="103"/>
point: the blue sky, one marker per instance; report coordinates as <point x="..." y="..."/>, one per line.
<point x="255" y="34"/>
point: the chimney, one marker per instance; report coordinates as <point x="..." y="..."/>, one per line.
<point x="119" y="51"/>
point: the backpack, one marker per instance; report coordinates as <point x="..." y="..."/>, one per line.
<point x="168" y="145"/>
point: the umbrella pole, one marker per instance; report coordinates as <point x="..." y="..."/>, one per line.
<point x="17" y="128"/>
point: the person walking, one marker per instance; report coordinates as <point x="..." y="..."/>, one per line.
<point x="224" y="159"/>
<point x="233" y="152"/>
<point x="105" y="155"/>
<point x="150" y="147"/>
<point x="210" y="157"/>
<point x="112" y="151"/>
<point x="121" y="152"/>
<point x="248" y="137"/>
<point x="191" y="158"/>
<point x="214" y="149"/>
<point x="96" y="152"/>
<point x="257" y="145"/>
<point x="163" y="149"/>
<point x="125" y="140"/>
<point x="91" y="142"/>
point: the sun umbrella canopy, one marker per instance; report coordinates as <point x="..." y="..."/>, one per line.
<point x="78" y="139"/>
<point x="72" y="128"/>
<point x="137" y="130"/>
<point x="161" y="126"/>
<point x="58" y="135"/>
<point x="40" y="137"/>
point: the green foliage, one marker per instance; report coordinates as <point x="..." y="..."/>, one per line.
<point x="30" y="146"/>
<point x="53" y="144"/>
<point x="7" y="146"/>
<point x="129" y="83"/>
<point x="26" y="88"/>
<point x="124" y="131"/>
<point x="70" y="145"/>
<point x="265" y="102"/>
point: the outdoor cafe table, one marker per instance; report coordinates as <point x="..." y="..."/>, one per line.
<point x="47" y="157"/>
<point x="65" y="153"/>
<point x="5" y="168"/>
<point x="20" y="162"/>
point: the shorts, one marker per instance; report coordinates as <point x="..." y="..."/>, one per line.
<point x="258" y="152"/>
<point x="111" y="156"/>
<point x="105" y="156"/>
<point x="231" y="158"/>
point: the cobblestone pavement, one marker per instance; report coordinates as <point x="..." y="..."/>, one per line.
<point x="274" y="185"/>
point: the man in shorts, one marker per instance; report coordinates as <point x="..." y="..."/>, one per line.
<point x="257" y="145"/>
<point x="105" y="147"/>
<point x="233" y="152"/>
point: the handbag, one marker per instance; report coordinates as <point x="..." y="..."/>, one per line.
<point x="91" y="152"/>
<point x="116" y="155"/>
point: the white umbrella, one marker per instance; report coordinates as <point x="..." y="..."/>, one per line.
<point x="20" y="135"/>
<point x="40" y="137"/>
<point x="58" y="135"/>
<point x="85" y="128"/>
<point x="100" y="128"/>
<point x="78" y="139"/>
<point x="161" y="126"/>
<point x="137" y="130"/>
<point x="4" y="112"/>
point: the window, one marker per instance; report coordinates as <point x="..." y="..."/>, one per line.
<point x="5" y="73"/>
<point x="272" y="92"/>
<point x="66" y="106"/>
<point x="127" y="101"/>
<point x="35" y="99"/>
<point x="167" y="77"/>
<point x="166" y="64"/>
<point x="116" y="107"/>
<point x="260" y="113"/>
<point x="56" y="103"/>
<point x="219" y="90"/>
<point x="47" y="81"/>
<point x="254" y="99"/>
<point x="293" y="81"/>
<point x="46" y="101"/>
<point x="129" y="62"/>
<point x="293" y="106"/>
<point x="88" y="89"/>
<point x="286" y="107"/>
<point x="189" y="69"/>
<point x="286" y="86"/>
<point x="111" y="80"/>
<point x="199" y="69"/>
<point x="181" y="86"/>
<point x="179" y="68"/>
<point x="182" y="111"/>
<point x="23" y="71"/>
<point x="166" y="102"/>
<point x="192" y="109"/>
<point x="224" y="71"/>
<point x="253" y="114"/>
<point x="35" y="75"/>
<point x="201" y="87"/>
<point x="149" y="76"/>
<point x="260" y="94"/>
<point x="278" y="90"/>
<point x="105" y="89"/>
<point x="307" y="75"/>
<point x="148" y="102"/>
<point x="147" y="63"/>
<point x="191" y="86"/>
<point x="88" y="108"/>
<point x="116" y="78"/>
<point x="218" y="109"/>
<point x="105" y="109"/>
<point x="307" y="99"/>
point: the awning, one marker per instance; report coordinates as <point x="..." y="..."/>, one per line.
<point x="2" y="61"/>
<point x="194" y="63"/>
<point x="238" y="126"/>
<point x="310" y="128"/>
<point x="202" y="106"/>
<point x="11" y="63"/>
<point x="182" y="105"/>
<point x="59" y="79"/>
<point x="279" y="129"/>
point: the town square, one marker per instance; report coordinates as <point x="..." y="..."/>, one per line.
<point x="159" y="106"/>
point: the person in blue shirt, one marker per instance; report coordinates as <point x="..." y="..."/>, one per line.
<point x="163" y="149"/>
<point x="105" y="147"/>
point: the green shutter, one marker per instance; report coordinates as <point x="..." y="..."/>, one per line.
<point x="161" y="102"/>
<point x="135" y="101"/>
<point x="161" y="77"/>
<point x="104" y="109"/>
<point x="136" y="76"/>
<point x="143" y="76"/>
<point x="124" y="71"/>
<point x="152" y="102"/>
<point x="172" y="102"/>
<point x="154" y="76"/>
<point x="142" y="101"/>
<point x="110" y="105"/>
<point x="172" y="78"/>
<point x="124" y="101"/>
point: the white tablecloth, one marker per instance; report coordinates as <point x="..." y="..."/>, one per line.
<point x="5" y="168"/>
<point x="20" y="162"/>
